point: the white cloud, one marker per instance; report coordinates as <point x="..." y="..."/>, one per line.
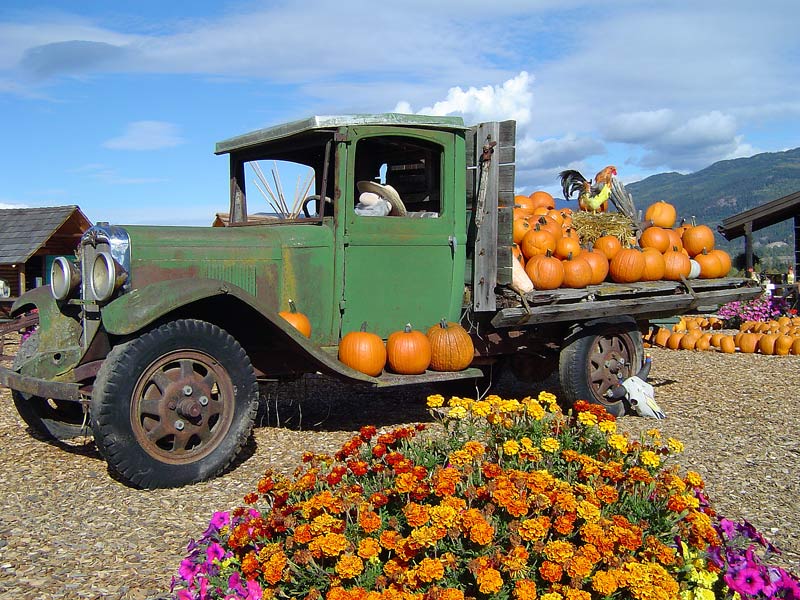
<point x="106" y="174"/>
<point x="7" y="205"/>
<point x="146" y="135"/>
<point x="510" y="100"/>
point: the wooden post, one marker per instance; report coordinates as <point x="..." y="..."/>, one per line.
<point x="796" y="243"/>
<point x="485" y="260"/>
<point x="22" y="288"/>
<point x="748" y="244"/>
<point x="238" y="209"/>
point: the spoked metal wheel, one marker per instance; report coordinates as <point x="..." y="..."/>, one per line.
<point x="596" y="360"/>
<point x="182" y="406"/>
<point x="174" y="405"/>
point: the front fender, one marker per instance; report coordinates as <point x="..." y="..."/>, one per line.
<point x="141" y="307"/>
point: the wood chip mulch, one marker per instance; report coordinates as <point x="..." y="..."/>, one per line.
<point x="69" y="530"/>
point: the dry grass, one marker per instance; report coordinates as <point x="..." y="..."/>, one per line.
<point x="69" y="530"/>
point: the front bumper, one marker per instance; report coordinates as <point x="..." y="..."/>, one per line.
<point x="44" y="388"/>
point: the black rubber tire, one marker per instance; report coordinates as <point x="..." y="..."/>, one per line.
<point x="53" y="419"/>
<point x="583" y="369"/>
<point x="136" y="422"/>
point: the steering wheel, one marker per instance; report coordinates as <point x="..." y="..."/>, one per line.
<point x="309" y="200"/>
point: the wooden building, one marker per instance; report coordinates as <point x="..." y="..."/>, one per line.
<point x="769" y="213"/>
<point x="30" y="238"/>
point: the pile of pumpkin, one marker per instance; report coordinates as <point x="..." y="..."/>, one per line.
<point x="780" y="337"/>
<point x="550" y="253"/>
<point x="446" y="347"/>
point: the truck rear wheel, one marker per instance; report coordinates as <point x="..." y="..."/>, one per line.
<point x="54" y="419"/>
<point x="175" y="405"/>
<point x="596" y="359"/>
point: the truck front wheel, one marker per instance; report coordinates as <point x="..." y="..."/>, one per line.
<point x="175" y="405"/>
<point x="596" y="359"/>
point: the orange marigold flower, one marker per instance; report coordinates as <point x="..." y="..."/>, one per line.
<point x="451" y="594"/>
<point x="534" y="529"/>
<point x="337" y="593"/>
<point x="573" y="594"/>
<point x="694" y="479"/>
<point x="475" y="449"/>
<point x="429" y="570"/>
<point x="250" y="565"/>
<point x="349" y="566"/>
<point x="639" y="474"/>
<point x="565" y="523"/>
<point x="273" y="567"/>
<point x="427" y="536"/>
<point x="588" y="511"/>
<point x="369" y="520"/>
<point x="389" y="539"/>
<point x="607" y="494"/>
<point x="368" y="548"/>
<point x="516" y="561"/>
<point x="489" y="580"/>
<point x="445" y="480"/>
<point x="550" y="571"/>
<point x="394" y="569"/>
<point x="578" y="567"/>
<point x="416" y="514"/>
<point x="559" y="551"/>
<point x="405" y="482"/>
<point x="481" y="533"/>
<point x="329" y="544"/>
<point x="302" y="533"/>
<point x="525" y="589"/>
<point x="605" y="583"/>
<point x="491" y="470"/>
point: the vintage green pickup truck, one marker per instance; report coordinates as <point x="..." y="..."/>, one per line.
<point x="157" y="337"/>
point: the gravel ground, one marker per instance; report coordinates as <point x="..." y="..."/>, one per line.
<point x="70" y="530"/>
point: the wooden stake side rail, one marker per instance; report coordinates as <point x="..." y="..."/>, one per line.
<point x="644" y="300"/>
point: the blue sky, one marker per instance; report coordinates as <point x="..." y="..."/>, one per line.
<point x="116" y="106"/>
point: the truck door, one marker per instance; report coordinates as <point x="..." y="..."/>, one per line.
<point x="403" y="269"/>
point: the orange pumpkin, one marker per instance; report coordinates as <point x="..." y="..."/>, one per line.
<point x="697" y="238"/>
<point x="451" y="347"/>
<point x="710" y="267"/>
<point x="541" y="198"/>
<point x="796" y="346"/>
<point x="724" y="259"/>
<point x="627" y="266"/>
<point x="676" y="263"/>
<point x="566" y="246"/>
<point x="408" y="351"/>
<point x="661" y="337"/>
<point x="523" y="204"/>
<point x="655" y="237"/>
<point x="296" y="319"/>
<point x="689" y="340"/>
<point x="783" y="345"/>
<point x="577" y="272"/>
<point x="674" y="340"/>
<point x="662" y="214"/>
<point x="363" y="351"/>
<point x="748" y="343"/>
<point x="537" y="241"/>
<point x="727" y="345"/>
<point x="550" y="225"/>
<point x="608" y="245"/>
<point x="599" y="264"/>
<point x="767" y="343"/>
<point x="520" y="228"/>
<point x="546" y="272"/>
<point x="675" y="240"/>
<point x="654" y="265"/>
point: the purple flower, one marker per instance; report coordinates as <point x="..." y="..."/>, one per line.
<point x="215" y="552"/>
<point x="235" y="584"/>
<point x="747" y="580"/>
<point x="728" y="527"/>
<point x="218" y="521"/>
<point x="253" y="590"/>
<point x="188" y="569"/>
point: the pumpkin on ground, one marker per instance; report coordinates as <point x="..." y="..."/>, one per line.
<point x="727" y="345"/>
<point x="408" y="351"/>
<point x="296" y="319"/>
<point x="363" y="351"/>
<point x="451" y="347"/>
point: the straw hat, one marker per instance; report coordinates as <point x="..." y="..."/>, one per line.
<point x="386" y="192"/>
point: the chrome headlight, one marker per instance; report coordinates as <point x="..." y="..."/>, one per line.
<point x="64" y="277"/>
<point x="106" y="276"/>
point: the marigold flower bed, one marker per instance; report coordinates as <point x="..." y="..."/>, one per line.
<point x="517" y="499"/>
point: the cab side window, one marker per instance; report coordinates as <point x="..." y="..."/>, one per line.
<point x="392" y="168"/>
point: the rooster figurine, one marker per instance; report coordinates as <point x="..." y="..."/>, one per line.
<point x="591" y="196"/>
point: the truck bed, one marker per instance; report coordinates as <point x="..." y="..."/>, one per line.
<point x="642" y="300"/>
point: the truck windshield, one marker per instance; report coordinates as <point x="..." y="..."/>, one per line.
<point x="279" y="189"/>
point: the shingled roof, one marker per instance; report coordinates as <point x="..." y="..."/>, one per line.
<point x="23" y="231"/>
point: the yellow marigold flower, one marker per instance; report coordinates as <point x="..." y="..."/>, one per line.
<point x="435" y="400"/>
<point x="587" y="419"/>
<point x="461" y="402"/>
<point x="481" y="408"/>
<point x="607" y="426"/>
<point x="703" y="577"/>
<point x="427" y="536"/>
<point x="489" y="580"/>
<point x="551" y="596"/>
<point x="588" y="511"/>
<point x="429" y="570"/>
<point x="510" y="406"/>
<point x="349" y="566"/>
<point x="443" y="516"/>
<point x="535" y="529"/>
<point x="654" y="433"/>
<point x="650" y="458"/>
<point x="618" y="442"/>
<point x="573" y="594"/>
<point x="511" y="447"/>
<point x="329" y="544"/>
<point x="694" y="479"/>
<point x="704" y="594"/>
<point x="493" y="399"/>
<point x="550" y="444"/>
<point x="369" y="548"/>
<point x="460" y="458"/>
<point x="457" y="412"/>
<point x="405" y="483"/>
<point x="675" y="446"/>
<point x="547" y="398"/>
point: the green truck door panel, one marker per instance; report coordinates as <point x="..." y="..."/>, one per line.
<point x="401" y="269"/>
